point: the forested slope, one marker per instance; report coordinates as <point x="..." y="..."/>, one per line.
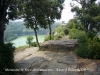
<point x="16" y="29"/>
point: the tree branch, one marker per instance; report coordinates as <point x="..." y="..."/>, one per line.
<point x="78" y="1"/>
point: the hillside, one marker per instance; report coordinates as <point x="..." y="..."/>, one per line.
<point x="16" y="29"/>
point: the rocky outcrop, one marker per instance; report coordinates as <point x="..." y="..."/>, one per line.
<point x="60" y="45"/>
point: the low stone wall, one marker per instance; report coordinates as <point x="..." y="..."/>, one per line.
<point x="60" y="45"/>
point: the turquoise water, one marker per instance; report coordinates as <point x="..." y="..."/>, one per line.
<point x="21" y="41"/>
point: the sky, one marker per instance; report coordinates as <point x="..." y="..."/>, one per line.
<point x="66" y="13"/>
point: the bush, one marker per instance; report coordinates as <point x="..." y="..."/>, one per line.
<point x="94" y="49"/>
<point x="6" y="59"/>
<point x="48" y="38"/>
<point x="61" y="33"/>
<point x="96" y="39"/>
<point x="56" y="37"/>
<point x="82" y="50"/>
<point x="34" y="44"/>
<point x="29" y="40"/>
<point x="91" y="34"/>
<point x="77" y="34"/>
<point x="90" y="49"/>
<point x="66" y="31"/>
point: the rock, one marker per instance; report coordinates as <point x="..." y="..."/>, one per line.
<point x="34" y="73"/>
<point x="60" y="44"/>
<point x="92" y="67"/>
<point x="44" y="64"/>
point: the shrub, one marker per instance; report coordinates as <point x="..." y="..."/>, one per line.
<point x="56" y="37"/>
<point x="66" y="31"/>
<point x="96" y="39"/>
<point x="34" y="44"/>
<point x="90" y="49"/>
<point x="91" y="34"/>
<point x="77" y="34"/>
<point x="82" y="50"/>
<point x="48" y="38"/>
<point x="94" y="49"/>
<point x="74" y="33"/>
<point x="29" y="40"/>
<point x="6" y="59"/>
<point x="61" y="33"/>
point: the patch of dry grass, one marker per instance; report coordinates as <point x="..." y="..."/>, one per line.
<point x="20" y="48"/>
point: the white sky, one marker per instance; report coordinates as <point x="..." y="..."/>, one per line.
<point x="66" y="13"/>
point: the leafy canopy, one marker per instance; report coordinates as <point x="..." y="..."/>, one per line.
<point x="88" y="14"/>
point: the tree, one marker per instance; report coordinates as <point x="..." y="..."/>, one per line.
<point x="52" y="9"/>
<point x="8" y="11"/>
<point x="33" y="16"/>
<point x="88" y="14"/>
<point x="40" y="13"/>
<point x="74" y="23"/>
<point x="29" y="40"/>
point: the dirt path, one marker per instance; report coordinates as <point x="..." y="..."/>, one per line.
<point x="27" y="52"/>
<point x="34" y="62"/>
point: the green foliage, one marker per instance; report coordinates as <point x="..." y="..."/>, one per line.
<point x="74" y="23"/>
<point x="77" y="34"/>
<point x="34" y="44"/>
<point x="82" y="50"/>
<point x="8" y="12"/>
<point x="61" y="31"/>
<point x="91" y="34"/>
<point x="17" y="29"/>
<point x="90" y="49"/>
<point x="96" y="38"/>
<point x="29" y="40"/>
<point x="86" y="15"/>
<point x="7" y="59"/>
<point x="54" y="37"/>
<point x="58" y="33"/>
<point x="94" y="49"/>
<point x="66" y="31"/>
<point x="48" y="38"/>
<point x="73" y="33"/>
<point x="52" y="10"/>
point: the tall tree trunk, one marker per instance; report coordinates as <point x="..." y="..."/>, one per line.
<point x="37" y="39"/>
<point x="2" y="28"/>
<point x="3" y="14"/>
<point x="50" y="31"/>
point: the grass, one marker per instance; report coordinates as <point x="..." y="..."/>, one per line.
<point x="21" y="48"/>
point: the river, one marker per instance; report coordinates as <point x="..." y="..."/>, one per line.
<point x="21" y="41"/>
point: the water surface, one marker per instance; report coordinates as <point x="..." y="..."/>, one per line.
<point x="21" y="41"/>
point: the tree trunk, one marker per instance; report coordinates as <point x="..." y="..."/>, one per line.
<point x="50" y="31"/>
<point x="37" y="39"/>
<point x="86" y="28"/>
<point x="3" y="14"/>
<point x="2" y="28"/>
